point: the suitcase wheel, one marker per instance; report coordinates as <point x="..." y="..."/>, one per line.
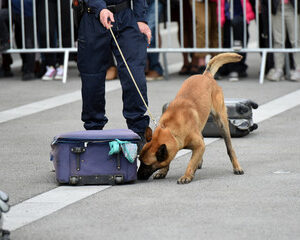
<point x="118" y="179"/>
<point x="73" y="180"/>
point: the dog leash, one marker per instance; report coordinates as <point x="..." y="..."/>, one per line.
<point x="136" y="86"/>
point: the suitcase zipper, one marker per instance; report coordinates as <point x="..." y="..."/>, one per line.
<point x="118" y="160"/>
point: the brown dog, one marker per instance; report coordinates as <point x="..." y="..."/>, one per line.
<point x="182" y="123"/>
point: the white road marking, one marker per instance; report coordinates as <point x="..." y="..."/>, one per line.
<point x="276" y="106"/>
<point x="46" y="203"/>
<point x="282" y="172"/>
<point x="49" y="103"/>
<point x="56" y="199"/>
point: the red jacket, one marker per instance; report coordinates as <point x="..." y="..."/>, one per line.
<point x="249" y="11"/>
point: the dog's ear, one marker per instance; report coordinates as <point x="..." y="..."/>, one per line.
<point x="148" y="134"/>
<point x="162" y="153"/>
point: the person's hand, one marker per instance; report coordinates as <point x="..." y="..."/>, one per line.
<point x="145" y="30"/>
<point x="4" y="207"/>
<point x="106" y="18"/>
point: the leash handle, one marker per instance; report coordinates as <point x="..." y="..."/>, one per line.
<point x="136" y="86"/>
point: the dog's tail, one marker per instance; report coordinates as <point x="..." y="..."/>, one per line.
<point x="216" y="62"/>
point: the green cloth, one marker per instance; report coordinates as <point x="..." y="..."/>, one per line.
<point x="129" y="149"/>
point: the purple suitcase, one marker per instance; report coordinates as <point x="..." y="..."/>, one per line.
<point x="82" y="157"/>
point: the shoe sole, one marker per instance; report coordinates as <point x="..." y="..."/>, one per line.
<point x="276" y="80"/>
<point x="47" y="78"/>
<point x="233" y="79"/>
<point x="58" y="78"/>
<point x="154" y="79"/>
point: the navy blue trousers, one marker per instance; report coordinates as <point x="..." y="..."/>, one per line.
<point x="95" y="44"/>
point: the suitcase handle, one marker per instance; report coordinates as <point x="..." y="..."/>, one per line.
<point x="242" y="108"/>
<point x="78" y="151"/>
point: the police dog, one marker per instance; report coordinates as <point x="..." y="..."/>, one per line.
<point x="181" y="125"/>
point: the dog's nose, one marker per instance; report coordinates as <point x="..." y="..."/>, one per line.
<point x="144" y="172"/>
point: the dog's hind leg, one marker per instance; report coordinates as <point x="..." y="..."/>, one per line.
<point x="221" y="119"/>
<point x="201" y="162"/>
<point x="197" y="147"/>
<point x="162" y="173"/>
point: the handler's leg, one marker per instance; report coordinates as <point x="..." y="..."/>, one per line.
<point x="134" y="47"/>
<point x="93" y="49"/>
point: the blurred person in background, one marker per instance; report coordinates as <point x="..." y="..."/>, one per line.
<point x="190" y="60"/>
<point x="212" y="16"/>
<point x="236" y="70"/>
<point x="28" y="59"/>
<point x="4" y="34"/>
<point x="277" y="73"/>
<point x="154" y="71"/>
<point x="5" y="69"/>
<point x="53" y="61"/>
<point x="264" y="38"/>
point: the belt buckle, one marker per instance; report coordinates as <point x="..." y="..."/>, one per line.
<point x="112" y="8"/>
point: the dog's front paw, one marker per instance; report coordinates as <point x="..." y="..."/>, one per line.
<point x="184" y="180"/>
<point x="159" y="175"/>
<point x="238" y="171"/>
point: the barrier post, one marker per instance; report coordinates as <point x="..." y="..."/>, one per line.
<point x="262" y="67"/>
<point x="66" y="60"/>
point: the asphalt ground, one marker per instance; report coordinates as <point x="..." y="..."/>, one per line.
<point x="264" y="203"/>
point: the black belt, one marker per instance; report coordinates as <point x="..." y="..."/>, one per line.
<point x="113" y="8"/>
<point x="118" y="7"/>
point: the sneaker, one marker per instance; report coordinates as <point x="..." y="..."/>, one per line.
<point x="59" y="73"/>
<point x="295" y="75"/>
<point x="233" y="76"/>
<point x="275" y="75"/>
<point x="153" y="75"/>
<point x="111" y="73"/>
<point x="50" y="74"/>
<point x="237" y="45"/>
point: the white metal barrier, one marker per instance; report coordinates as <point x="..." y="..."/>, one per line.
<point x="168" y="49"/>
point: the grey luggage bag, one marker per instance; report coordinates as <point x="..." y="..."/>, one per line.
<point x="240" y="118"/>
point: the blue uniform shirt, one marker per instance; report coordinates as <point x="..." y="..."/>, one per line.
<point x="139" y="7"/>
